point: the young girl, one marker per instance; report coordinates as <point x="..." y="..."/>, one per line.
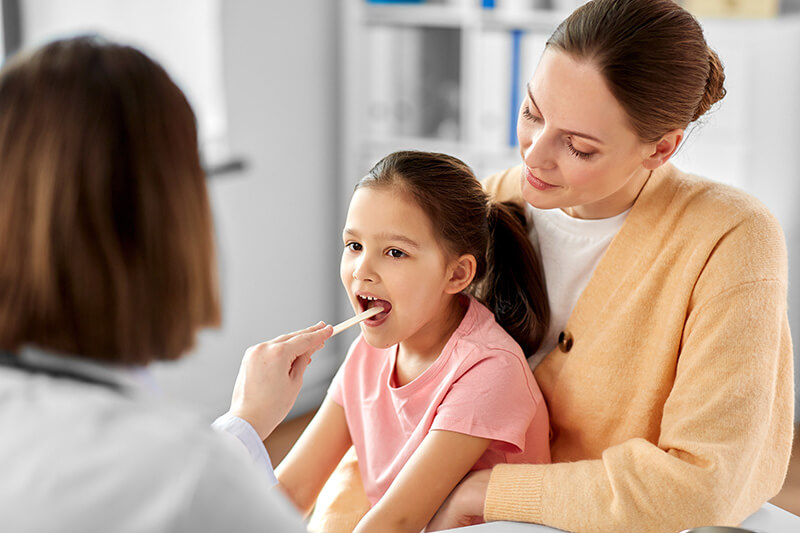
<point x="437" y="384"/>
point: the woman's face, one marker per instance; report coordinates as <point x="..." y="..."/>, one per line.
<point x="580" y="154"/>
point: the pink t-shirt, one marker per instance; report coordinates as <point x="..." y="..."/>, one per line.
<point x="480" y="385"/>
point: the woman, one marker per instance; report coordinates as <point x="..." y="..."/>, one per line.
<point x="670" y="388"/>
<point x="667" y="370"/>
<point x="107" y="264"/>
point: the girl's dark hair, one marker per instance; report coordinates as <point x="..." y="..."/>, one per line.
<point x="652" y="54"/>
<point x="509" y="278"/>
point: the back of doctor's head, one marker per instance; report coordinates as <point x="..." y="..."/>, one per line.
<point x="107" y="248"/>
<point x="653" y="56"/>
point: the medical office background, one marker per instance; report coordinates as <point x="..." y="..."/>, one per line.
<point x="296" y="99"/>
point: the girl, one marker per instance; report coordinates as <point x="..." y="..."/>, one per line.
<point x="437" y="384"/>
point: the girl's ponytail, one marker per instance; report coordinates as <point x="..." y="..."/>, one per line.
<point x="513" y="287"/>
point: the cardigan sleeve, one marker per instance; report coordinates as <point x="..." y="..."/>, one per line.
<point x="505" y="186"/>
<point x="726" y="427"/>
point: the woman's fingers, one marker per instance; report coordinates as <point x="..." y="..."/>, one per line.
<point x="464" y="506"/>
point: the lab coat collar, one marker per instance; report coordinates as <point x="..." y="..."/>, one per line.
<point x="128" y="378"/>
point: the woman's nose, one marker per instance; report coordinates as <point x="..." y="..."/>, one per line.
<point x="537" y="151"/>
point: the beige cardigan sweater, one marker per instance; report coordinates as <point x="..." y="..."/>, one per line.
<point x="674" y="406"/>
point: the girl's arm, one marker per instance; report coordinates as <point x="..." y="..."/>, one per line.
<point x="313" y="458"/>
<point x="440" y="462"/>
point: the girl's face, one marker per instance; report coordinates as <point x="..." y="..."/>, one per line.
<point x="580" y="154"/>
<point x="392" y="258"/>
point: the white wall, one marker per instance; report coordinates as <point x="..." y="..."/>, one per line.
<point x="277" y="227"/>
<point x="183" y="35"/>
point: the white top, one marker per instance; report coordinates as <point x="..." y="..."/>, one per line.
<point x="570" y="249"/>
<point x="104" y="454"/>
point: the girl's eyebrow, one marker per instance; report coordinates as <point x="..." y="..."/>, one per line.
<point x="394" y="237"/>
<point x="568" y="132"/>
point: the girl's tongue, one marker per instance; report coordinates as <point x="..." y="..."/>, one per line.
<point x="368" y="304"/>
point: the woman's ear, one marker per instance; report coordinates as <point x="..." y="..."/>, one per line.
<point x="462" y="271"/>
<point x="663" y="149"/>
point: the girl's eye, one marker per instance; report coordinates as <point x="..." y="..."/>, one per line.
<point x="353" y="246"/>
<point x="577" y="153"/>
<point x="526" y="112"/>
<point x="395" y="253"/>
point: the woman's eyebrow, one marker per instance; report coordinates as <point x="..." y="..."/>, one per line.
<point x="569" y="132"/>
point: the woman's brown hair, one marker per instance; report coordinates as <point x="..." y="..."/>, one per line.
<point x="653" y="56"/>
<point x="509" y="279"/>
<point x="107" y="245"/>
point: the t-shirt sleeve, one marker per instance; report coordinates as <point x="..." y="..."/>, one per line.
<point x="336" y="388"/>
<point x="493" y="399"/>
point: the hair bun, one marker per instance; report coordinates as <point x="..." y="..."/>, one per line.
<point x="715" y="90"/>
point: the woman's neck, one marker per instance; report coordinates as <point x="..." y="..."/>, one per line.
<point x="616" y="203"/>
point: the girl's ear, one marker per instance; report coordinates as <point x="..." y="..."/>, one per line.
<point x="461" y="270"/>
<point x="663" y="149"/>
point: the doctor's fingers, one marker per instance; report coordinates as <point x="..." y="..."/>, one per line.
<point x="282" y="338"/>
<point x="299" y="366"/>
<point x="283" y="353"/>
<point x="306" y="343"/>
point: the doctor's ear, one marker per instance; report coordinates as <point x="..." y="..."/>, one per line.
<point x="663" y="149"/>
<point x="462" y="271"/>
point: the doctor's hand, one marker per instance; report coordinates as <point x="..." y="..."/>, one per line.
<point x="464" y="506"/>
<point x="271" y="374"/>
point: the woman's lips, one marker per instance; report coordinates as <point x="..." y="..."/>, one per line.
<point x="536" y="183"/>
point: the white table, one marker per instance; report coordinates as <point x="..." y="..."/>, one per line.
<point x="768" y="519"/>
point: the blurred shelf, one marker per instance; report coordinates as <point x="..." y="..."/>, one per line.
<point x="537" y="20"/>
<point x="430" y="15"/>
<point x="445" y="16"/>
<point x="436" y="144"/>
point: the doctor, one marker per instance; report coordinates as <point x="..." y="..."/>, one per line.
<point x="107" y="264"/>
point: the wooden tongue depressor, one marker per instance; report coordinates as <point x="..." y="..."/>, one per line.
<point x="352" y="321"/>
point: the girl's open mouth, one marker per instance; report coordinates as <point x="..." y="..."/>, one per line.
<point x="368" y="302"/>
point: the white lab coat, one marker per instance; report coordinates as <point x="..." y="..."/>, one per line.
<point x="83" y="456"/>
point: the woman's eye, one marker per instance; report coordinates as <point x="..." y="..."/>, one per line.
<point x="577" y="153"/>
<point x="395" y="253"/>
<point x="526" y="112"/>
<point x="353" y="246"/>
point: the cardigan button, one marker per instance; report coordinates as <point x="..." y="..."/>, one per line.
<point x="565" y="341"/>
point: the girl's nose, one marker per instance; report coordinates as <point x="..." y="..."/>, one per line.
<point x="363" y="271"/>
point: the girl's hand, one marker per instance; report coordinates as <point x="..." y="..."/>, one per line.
<point x="271" y="374"/>
<point x="431" y="473"/>
<point x="464" y="506"/>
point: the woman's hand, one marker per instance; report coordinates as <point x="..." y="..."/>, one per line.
<point x="464" y="506"/>
<point x="271" y="375"/>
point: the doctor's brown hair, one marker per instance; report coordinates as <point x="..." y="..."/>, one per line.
<point x="107" y="247"/>
<point x="653" y="56"/>
<point x="508" y="279"/>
